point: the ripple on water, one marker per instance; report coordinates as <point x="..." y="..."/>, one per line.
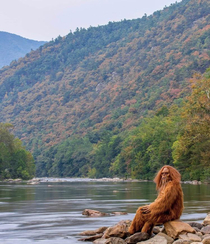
<point x="197" y="217"/>
<point x="52" y="216"/>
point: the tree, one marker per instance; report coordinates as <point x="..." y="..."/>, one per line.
<point x="69" y="159"/>
<point x="191" y="149"/>
<point x="15" y="161"/>
<point x="149" y="146"/>
<point x="104" y="154"/>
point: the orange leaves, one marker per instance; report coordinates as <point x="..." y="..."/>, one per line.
<point x="174" y="92"/>
<point x="107" y="117"/>
<point x="129" y="102"/>
<point x="196" y="53"/>
<point x="128" y="123"/>
<point x="158" y="69"/>
<point x="205" y="28"/>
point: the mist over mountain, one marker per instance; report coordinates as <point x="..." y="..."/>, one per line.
<point x="13" y="47"/>
<point x="99" y="83"/>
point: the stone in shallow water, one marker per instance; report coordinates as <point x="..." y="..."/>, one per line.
<point x="119" y="230"/>
<point x="93" y="213"/>
<point x="119" y="213"/>
<point x="93" y="232"/>
<point x="91" y="238"/>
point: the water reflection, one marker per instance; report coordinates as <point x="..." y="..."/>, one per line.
<point x="52" y="212"/>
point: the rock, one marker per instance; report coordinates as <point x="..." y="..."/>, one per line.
<point x="157" y="229"/>
<point x="193" y="237"/>
<point x="100" y="241"/>
<point x="158" y="239"/>
<point x="168" y="238"/>
<point x="195" y="182"/>
<point x="93" y="232"/>
<point x="119" y="230"/>
<point x="205" y="236"/>
<point x="93" y="213"/>
<point x="13" y="180"/>
<point x="100" y="86"/>
<point x="196" y="229"/>
<point x="181" y="242"/>
<point x="33" y="181"/>
<point x="17" y="180"/>
<point x="176" y="227"/>
<point x="119" y="213"/>
<point x="101" y="229"/>
<point x="91" y="238"/>
<point x="111" y="240"/>
<point x="184" y="237"/>
<point x="207" y="220"/>
<point x="205" y="230"/>
<point x="137" y="237"/>
<point x="195" y="224"/>
<point x="88" y="233"/>
<point x="196" y="242"/>
<point x="199" y="234"/>
<point x="206" y="240"/>
<point x="115" y="240"/>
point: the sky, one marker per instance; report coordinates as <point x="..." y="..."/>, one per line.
<point x="44" y="20"/>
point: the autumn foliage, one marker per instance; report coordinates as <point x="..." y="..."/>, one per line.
<point x="98" y="87"/>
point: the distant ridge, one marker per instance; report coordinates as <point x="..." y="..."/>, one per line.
<point x="13" y="47"/>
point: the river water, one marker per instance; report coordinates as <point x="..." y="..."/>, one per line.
<point x="51" y="212"/>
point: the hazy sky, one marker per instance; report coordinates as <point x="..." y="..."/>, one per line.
<point x="46" y="19"/>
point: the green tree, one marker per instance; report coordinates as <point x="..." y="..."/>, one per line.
<point x="15" y="161"/>
<point x="71" y="158"/>
<point x="149" y="146"/>
<point x="104" y="154"/>
<point x="191" y="149"/>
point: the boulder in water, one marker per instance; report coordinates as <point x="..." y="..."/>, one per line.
<point x="93" y="213"/>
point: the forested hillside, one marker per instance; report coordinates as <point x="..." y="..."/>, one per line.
<point x="78" y="101"/>
<point x="13" y="47"/>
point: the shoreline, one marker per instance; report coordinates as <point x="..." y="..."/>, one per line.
<point x="38" y="180"/>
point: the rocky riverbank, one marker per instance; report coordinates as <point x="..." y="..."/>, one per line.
<point x="173" y="232"/>
<point x="52" y="180"/>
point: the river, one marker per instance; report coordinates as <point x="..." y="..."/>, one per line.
<point x="51" y="212"/>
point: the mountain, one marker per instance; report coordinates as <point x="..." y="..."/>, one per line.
<point x="103" y="79"/>
<point x="13" y="47"/>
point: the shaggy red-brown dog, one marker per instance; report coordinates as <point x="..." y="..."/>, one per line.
<point x="167" y="206"/>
